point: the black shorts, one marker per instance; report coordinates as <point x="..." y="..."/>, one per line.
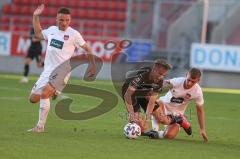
<point x="34" y="54"/>
<point x="141" y="103"/>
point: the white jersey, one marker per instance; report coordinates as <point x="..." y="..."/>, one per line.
<point x="177" y="99"/>
<point x="60" y="48"/>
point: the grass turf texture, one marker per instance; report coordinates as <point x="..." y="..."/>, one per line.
<point x="102" y="137"/>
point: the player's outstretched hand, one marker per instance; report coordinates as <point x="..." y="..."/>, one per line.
<point x="204" y="135"/>
<point x="39" y="10"/>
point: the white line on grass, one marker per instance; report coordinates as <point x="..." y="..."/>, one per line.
<point x="12" y="98"/>
<point x="222" y="90"/>
<point x="219" y="118"/>
<point x="12" y="89"/>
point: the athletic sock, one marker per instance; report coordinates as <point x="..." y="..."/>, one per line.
<point x="43" y="112"/>
<point x="161" y="134"/>
<point x="155" y="125"/>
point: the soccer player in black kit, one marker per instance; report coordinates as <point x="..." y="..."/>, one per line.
<point x="141" y="90"/>
<point x="34" y="52"/>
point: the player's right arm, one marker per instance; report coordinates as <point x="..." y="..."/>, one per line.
<point x="36" y="22"/>
<point x="201" y="122"/>
<point x="128" y="102"/>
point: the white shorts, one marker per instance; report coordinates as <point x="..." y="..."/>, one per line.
<point x="169" y="109"/>
<point x="58" y="84"/>
<point x="39" y="85"/>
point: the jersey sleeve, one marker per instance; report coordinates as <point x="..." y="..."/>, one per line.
<point x="79" y="41"/>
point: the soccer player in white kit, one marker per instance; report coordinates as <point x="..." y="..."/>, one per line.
<point x="174" y="104"/>
<point x="62" y="42"/>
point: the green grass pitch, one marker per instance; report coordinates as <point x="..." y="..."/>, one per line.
<point x="102" y="137"/>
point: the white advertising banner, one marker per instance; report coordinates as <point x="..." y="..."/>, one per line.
<point x="215" y="57"/>
<point x="5" y="43"/>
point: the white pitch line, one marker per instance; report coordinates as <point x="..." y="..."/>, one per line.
<point x="12" y="98"/>
<point x="219" y="118"/>
<point x="10" y="88"/>
<point x="222" y="90"/>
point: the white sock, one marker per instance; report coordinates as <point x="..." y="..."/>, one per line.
<point x="155" y="125"/>
<point x="161" y="134"/>
<point x="43" y="112"/>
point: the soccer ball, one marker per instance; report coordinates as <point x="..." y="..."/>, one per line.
<point x="132" y="130"/>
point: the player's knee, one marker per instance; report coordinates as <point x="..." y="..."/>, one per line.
<point x="45" y="95"/>
<point x="34" y="99"/>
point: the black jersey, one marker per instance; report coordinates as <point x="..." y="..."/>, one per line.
<point x="139" y="79"/>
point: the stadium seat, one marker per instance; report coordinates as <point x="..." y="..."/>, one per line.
<point x="113" y="5"/>
<point x="122" y="5"/>
<point x="15" y="10"/>
<point x="122" y="16"/>
<point x="15" y="28"/>
<point x="92" y="4"/>
<point x="103" y="5"/>
<point x="82" y="14"/>
<point x="25" y="28"/>
<point x="4" y="27"/>
<point x="7" y="9"/>
<point x="102" y="15"/>
<point x="83" y="4"/>
<point x="17" y="1"/>
<point x="5" y="19"/>
<point x="74" y="13"/>
<point x="94" y="14"/>
<point x="26" y="10"/>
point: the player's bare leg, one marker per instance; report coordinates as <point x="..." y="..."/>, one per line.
<point x="139" y="120"/>
<point x="160" y="116"/>
<point x="171" y="131"/>
<point x="170" y="120"/>
<point x="47" y="92"/>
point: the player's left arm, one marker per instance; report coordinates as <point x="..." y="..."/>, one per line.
<point x="150" y="108"/>
<point x="92" y="70"/>
<point x="201" y="122"/>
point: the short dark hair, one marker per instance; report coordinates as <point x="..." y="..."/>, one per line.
<point x="162" y="63"/>
<point x="195" y="73"/>
<point x="64" y="10"/>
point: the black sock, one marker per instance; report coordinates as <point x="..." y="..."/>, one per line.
<point x="26" y="70"/>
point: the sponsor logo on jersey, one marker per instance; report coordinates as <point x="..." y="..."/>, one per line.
<point x="177" y="100"/>
<point x="56" y="43"/>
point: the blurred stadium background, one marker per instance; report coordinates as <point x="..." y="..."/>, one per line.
<point x="187" y="33"/>
<point x="157" y="28"/>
